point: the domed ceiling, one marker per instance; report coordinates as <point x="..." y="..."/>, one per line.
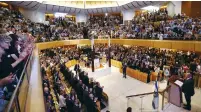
<point x="87" y="7"/>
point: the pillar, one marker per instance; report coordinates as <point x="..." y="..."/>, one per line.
<point x="128" y="15"/>
<point x="171" y="9"/>
<point x="177" y="5"/>
<point x="80" y="17"/>
<point x="109" y="53"/>
<point x="92" y="55"/>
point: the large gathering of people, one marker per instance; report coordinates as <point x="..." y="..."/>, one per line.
<point x="15" y="47"/>
<point x="164" y="62"/>
<point x="147" y="25"/>
<point x="67" y="90"/>
<point x="64" y="90"/>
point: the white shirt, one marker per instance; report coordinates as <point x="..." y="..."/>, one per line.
<point x="199" y="68"/>
<point x="62" y="102"/>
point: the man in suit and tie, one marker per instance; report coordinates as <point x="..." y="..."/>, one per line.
<point x="188" y="90"/>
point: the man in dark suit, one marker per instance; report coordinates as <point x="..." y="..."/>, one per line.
<point x="99" y="91"/>
<point x="188" y="90"/>
<point x="86" y="79"/>
<point x="124" y="70"/>
<point x="77" y="68"/>
<point x="69" y="104"/>
<point x="85" y="32"/>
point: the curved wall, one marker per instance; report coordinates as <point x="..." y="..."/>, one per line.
<point x="179" y="45"/>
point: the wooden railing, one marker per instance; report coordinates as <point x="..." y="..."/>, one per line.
<point x="169" y="44"/>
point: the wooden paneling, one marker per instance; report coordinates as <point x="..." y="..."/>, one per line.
<point x="191" y="8"/>
<point x="182" y="45"/>
<point x="186" y="7"/>
<point x="196" y="9"/>
<point x="103" y="41"/>
<point x="198" y="46"/>
<point x="162" y="44"/>
<point x="179" y="45"/>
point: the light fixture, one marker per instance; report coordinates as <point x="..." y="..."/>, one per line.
<point x="58" y="14"/>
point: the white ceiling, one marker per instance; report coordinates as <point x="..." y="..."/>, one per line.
<point x="74" y="9"/>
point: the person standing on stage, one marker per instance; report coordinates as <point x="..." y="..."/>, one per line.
<point x="124" y="70"/>
<point x="77" y="68"/>
<point x="188" y="90"/>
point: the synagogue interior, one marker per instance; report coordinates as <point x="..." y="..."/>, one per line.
<point x="100" y="56"/>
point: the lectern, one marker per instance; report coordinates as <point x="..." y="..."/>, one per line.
<point x="175" y="91"/>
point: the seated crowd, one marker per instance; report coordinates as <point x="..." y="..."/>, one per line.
<point x="64" y="90"/>
<point x="15" y="46"/>
<point x="147" y="60"/>
<point x="164" y="62"/>
<point x="149" y="25"/>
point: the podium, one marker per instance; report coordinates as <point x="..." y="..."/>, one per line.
<point x="175" y="91"/>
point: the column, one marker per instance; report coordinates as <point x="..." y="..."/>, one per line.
<point x="177" y="6"/>
<point x="92" y="54"/>
<point x="171" y="9"/>
<point x="128" y="15"/>
<point x="81" y="18"/>
<point x="109" y="57"/>
<point x="174" y="7"/>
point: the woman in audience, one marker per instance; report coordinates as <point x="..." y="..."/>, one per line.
<point x="4" y="80"/>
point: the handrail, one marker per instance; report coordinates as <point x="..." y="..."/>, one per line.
<point x="168" y="44"/>
<point x="18" y="85"/>
<point x="140" y="94"/>
<point x="166" y="89"/>
<point x="161" y="92"/>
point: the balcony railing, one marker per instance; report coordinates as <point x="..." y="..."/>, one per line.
<point x="17" y="102"/>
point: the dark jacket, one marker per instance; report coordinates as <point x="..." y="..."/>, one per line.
<point x="77" y="67"/>
<point x="188" y="87"/>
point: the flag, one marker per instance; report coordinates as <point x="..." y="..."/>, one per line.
<point x="155" y="102"/>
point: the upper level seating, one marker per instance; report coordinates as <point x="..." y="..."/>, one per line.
<point x="155" y="25"/>
<point x="15" y="47"/>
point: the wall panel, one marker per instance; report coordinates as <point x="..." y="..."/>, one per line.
<point x="183" y="45"/>
<point x="180" y="45"/>
<point x="198" y="46"/>
<point x="162" y="44"/>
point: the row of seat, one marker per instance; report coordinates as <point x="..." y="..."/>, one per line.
<point x="143" y="76"/>
<point x="135" y="73"/>
<point x="71" y="63"/>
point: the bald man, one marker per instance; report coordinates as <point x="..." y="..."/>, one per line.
<point x="188" y="90"/>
